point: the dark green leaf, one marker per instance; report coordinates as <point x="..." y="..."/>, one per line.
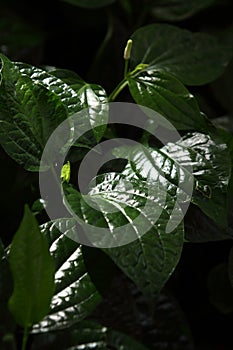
<point x="176" y="10"/>
<point x="166" y="95"/>
<point x="211" y="170"/>
<point x="75" y="94"/>
<point x="29" y="113"/>
<point x="194" y="58"/>
<point x="158" y="251"/>
<point x="220" y="289"/>
<point x="33" y="273"/>
<point x="75" y="295"/>
<point x="39" y="76"/>
<point x="67" y="76"/>
<point x="151" y="260"/>
<point x="91" y="4"/>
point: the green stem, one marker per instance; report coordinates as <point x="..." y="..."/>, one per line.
<point x="118" y="89"/>
<point x="25" y="338"/>
<point x="126" y="68"/>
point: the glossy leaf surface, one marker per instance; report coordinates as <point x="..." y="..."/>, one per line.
<point x="157" y="252"/>
<point x="28" y="115"/>
<point x="194" y="58"/>
<point x="166" y="95"/>
<point x="211" y="169"/>
<point x="75" y="94"/>
<point x="94" y="98"/>
<point x="69" y="77"/>
<point x="39" y="76"/>
<point x="75" y="296"/>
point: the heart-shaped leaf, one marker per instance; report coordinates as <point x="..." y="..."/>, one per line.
<point x="194" y="58"/>
<point x="166" y="95"/>
<point x="75" y="295"/>
<point x="131" y="204"/>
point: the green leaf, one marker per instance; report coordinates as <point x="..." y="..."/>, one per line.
<point x="29" y="113"/>
<point x="90" y="4"/>
<point x="67" y="95"/>
<point x="33" y="273"/>
<point x="75" y="94"/>
<point x="75" y="296"/>
<point x="157" y="252"/>
<point x="151" y="260"/>
<point x="95" y="99"/>
<point x="177" y="10"/>
<point x="211" y="170"/>
<point x="194" y="58"/>
<point x="67" y="76"/>
<point x="166" y="95"/>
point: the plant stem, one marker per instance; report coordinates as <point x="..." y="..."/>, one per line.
<point x="25" y="338"/>
<point x="118" y="89"/>
<point x="126" y="68"/>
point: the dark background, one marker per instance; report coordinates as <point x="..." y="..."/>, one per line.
<point x="58" y="34"/>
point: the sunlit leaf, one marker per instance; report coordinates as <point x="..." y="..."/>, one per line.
<point x="75" y="296"/>
<point x="194" y="58"/>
